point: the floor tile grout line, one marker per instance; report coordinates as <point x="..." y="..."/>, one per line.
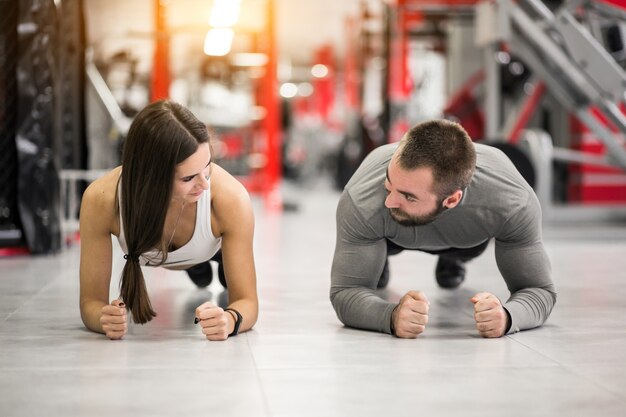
<point x="266" y="402"/>
<point x="77" y="368"/>
<point x="265" y="368"/>
<point x="571" y="370"/>
<point x="27" y="300"/>
<point x="535" y="350"/>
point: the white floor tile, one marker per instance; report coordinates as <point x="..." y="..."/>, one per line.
<point x="300" y="360"/>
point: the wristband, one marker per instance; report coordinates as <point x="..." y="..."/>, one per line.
<point x="238" y="320"/>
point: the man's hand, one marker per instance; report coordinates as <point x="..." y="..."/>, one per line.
<point x="113" y="319"/>
<point x="410" y="316"/>
<point x="214" y="321"/>
<point x="491" y="319"/>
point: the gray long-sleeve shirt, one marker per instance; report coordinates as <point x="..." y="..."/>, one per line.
<point x="498" y="204"/>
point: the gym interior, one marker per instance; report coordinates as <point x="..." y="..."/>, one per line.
<point x="295" y="94"/>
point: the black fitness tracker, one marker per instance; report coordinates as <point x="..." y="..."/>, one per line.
<point x="237" y="321"/>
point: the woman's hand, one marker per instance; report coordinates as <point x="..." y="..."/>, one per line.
<point x="113" y="320"/>
<point x="214" y="321"/>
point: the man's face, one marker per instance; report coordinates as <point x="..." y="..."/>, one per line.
<point x="409" y="197"/>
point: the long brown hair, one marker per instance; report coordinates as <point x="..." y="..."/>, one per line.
<point x="161" y="136"/>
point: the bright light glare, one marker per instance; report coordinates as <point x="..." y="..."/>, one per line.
<point x="224" y="13"/>
<point x="288" y="90"/>
<point x="249" y="59"/>
<point x="218" y="41"/>
<point x="305" y="89"/>
<point x="319" y="71"/>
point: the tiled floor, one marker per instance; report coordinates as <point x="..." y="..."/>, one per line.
<point x="299" y="360"/>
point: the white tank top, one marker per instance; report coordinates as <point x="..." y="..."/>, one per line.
<point x="200" y="248"/>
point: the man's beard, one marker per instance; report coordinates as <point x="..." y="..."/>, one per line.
<point x="405" y="219"/>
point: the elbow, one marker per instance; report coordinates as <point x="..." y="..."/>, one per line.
<point x="334" y="292"/>
<point x="83" y="312"/>
<point x="90" y="314"/>
<point x="249" y="309"/>
<point x="551" y="290"/>
<point x="251" y="322"/>
<point x="84" y="319"/>
<point x="254" y="317"/>
<point x="335" y="301"/>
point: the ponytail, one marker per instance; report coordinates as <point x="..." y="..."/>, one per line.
<point x="143" y="217"/>
<point x="133" y="291"/>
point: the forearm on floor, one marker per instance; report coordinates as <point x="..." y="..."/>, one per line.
<point x="361" y="308"/>
<point x="526" y="270"/>
<point x="530" y="308"/>
<point x="249" y="311"/>
<point x="90" y="313"/>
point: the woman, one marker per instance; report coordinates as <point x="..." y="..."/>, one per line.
<point x="168" y="205"/>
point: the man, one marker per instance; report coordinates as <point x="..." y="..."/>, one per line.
<point x="438" y="192"/>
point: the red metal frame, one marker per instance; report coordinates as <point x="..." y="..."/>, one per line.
<point x="160" y="71"/>
<point x="400" y="83"/>
<point x="439" y="3"/>
<point x="464" y="106"/>
<point x="324" y="95"/>
<point x="16" y="251"/>
<point x="272" y="118"/>
<point x="529" y="107"/>
<point x="615" y="3"/>
<point x="267" y="180"/>
<point x="352" y="77"/>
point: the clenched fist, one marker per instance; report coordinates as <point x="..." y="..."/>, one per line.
<point x="410" y="316"/>
<point x="214" y="321"/>
<point x="491" y="318"/>
<point x="113" y="320"/>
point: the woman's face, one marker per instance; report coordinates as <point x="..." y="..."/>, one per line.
<point x="192" y="175"/>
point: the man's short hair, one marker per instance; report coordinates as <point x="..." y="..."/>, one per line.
<point x="445" y="148"/>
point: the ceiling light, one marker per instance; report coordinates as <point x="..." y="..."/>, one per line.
<point x="218" y="41"/>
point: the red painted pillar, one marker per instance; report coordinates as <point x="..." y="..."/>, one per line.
<point x="400" y="83"/>
<point x="271" y="122"/>
<point x="351" y="73"/>
<point x="160" y="69"/>
<point x="324" y="87"/>
<point x="616" y="3"/>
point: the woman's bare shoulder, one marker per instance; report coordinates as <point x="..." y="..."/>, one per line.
<point x="99" y="197"/>
<point x="226" y="190"/>
<point x="230" y="200"/>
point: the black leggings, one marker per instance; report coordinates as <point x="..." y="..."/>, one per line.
<point x="202" y="274"/>
<point x="201" y="267"/>
<point x="462" y="254"/>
